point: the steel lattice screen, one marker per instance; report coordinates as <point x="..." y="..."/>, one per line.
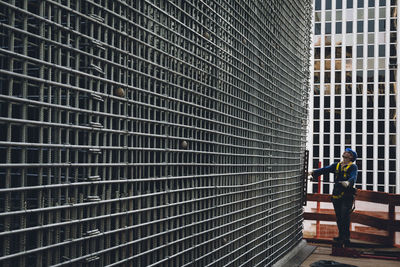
<point x="144" y="133"/>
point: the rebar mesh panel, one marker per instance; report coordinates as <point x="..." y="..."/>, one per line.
<point x="152" y="133"/>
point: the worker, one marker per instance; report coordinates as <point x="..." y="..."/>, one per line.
<point x="343" y="194"/>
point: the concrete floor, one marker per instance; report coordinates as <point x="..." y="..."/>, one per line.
<point x="322" y="252"/>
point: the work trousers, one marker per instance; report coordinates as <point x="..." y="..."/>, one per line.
<point x="343" y="207"/>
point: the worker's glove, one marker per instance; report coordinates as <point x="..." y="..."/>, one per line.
<point x="312" y="178"/>
<point x="345" y="183"/>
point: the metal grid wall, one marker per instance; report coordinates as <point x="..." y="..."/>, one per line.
<point x="144" y="133"/>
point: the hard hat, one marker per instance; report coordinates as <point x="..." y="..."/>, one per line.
<point x="352" y="152"/>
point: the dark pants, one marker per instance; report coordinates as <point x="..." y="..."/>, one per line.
<point x="343" y="208"/>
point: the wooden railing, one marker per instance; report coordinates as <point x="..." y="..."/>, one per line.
<point x="389" y="224"/>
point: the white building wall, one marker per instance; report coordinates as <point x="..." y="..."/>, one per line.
<point x="366" y="111"/>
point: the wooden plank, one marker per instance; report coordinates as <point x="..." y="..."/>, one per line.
<point x="394" y="199"/>
<point x="319" y="197"/>
<point x="380" y="239"/>
<point x="319" y="216"/>
<point x="372" y="196"/>
<point x="369" y="220"/>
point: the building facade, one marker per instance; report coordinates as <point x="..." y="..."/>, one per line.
<point x="355" y="96"/>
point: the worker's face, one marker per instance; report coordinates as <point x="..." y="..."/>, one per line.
<point x="347" y="157"/>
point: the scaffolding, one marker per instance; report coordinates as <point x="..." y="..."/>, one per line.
<point x="152" y="133"/>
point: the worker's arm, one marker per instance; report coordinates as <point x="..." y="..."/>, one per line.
<point x="325" y="170"/>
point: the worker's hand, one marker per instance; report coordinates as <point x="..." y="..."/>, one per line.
<point x="345" y="183"/>
<point x="311" y="173"/>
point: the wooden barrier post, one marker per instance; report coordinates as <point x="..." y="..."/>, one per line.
<point x="318" y="230"/>
<point x="391" y="218"/>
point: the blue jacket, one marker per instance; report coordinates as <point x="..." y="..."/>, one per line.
<point x="341" y="174"/>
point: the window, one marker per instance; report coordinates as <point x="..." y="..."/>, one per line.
<point x="381" y="76"/>
<point x="347" y="139"/>
<point x="338" y="77"/>
<point x="392" y="77"/>
<point x="349" y="51"/>
<point x="359" y="114"/>
<point x="358" y="139"/>
<point x="370" y="89"/>
<point x="359" y="126"/>
<point x="327" y="129"/>
<point x="392" y="165"/>
<point x="316" y="114"/>
<point x="370" y="139"/>
<point x="370" y="76"/>
<point x="381" y="139"/>
<point x="348" y="89"/>
<point x="371" y="3"/>
<point x="328" y="28"/>
<point x="328" y="4"/>
<point x="393" y="12"/>
<point x="370" y="50"/>
<point x="317" y="4"/>
<point x="316" y="126"/>
<point x="316" y="139"/>
<point x="316" y="151"/>
<point x="338" y="52"/>
<point x="339" y="27"/>
<point x="349" y="4"/>
<point x="317" y="16"/>
<point x="359" y="101"/>
<point x="317" y="77"/>
<point x="360" y="26"/>
<point x="349" y="27"/>
<point x="327" y="102"/>
<point x="327" y="77"/>
<point x="381" y="101"/>
<point x="348" y="114"/>
<point x="317" y="53"/>
<point x="370" y="127"/>
<point x="317" y="29"/>
<point x="338" y="4"/>
<point x="336" y="138"/>
<point x="382" y="25"/>
<point x="359" y="87"/>
<point x="327" y="52"/>
<point x="339" y="15"/>
<point x="327" y="64"/>
<point x="316" y="101"/>
<point x="348" y="77"/>
<point x="371" y="13"/>
<point x="381" y="126"/>
<point x="360" y="14"/>
<point x="392" y="50"/>
<point x="371" y="25"/>
<point x="360" y="51"/>
<point x="327" y="113"/>
<point x="316" y="90"/>
<point x="326" y="151"/>
<point x="359" y="76"/>
<point x="393" y="25"/>
<point x="337" y="151"/>
<point x="360" y="3"/>
<point x="348" y="101"/>
<point x="337" y="101"/>
<point x="381" y="114"/>
<point x="381" y="50"/>
<point x="382" y="2"/>
<point x="370" y="114"/>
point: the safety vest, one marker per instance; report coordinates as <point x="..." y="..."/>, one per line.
<point x="338" y="169"/>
